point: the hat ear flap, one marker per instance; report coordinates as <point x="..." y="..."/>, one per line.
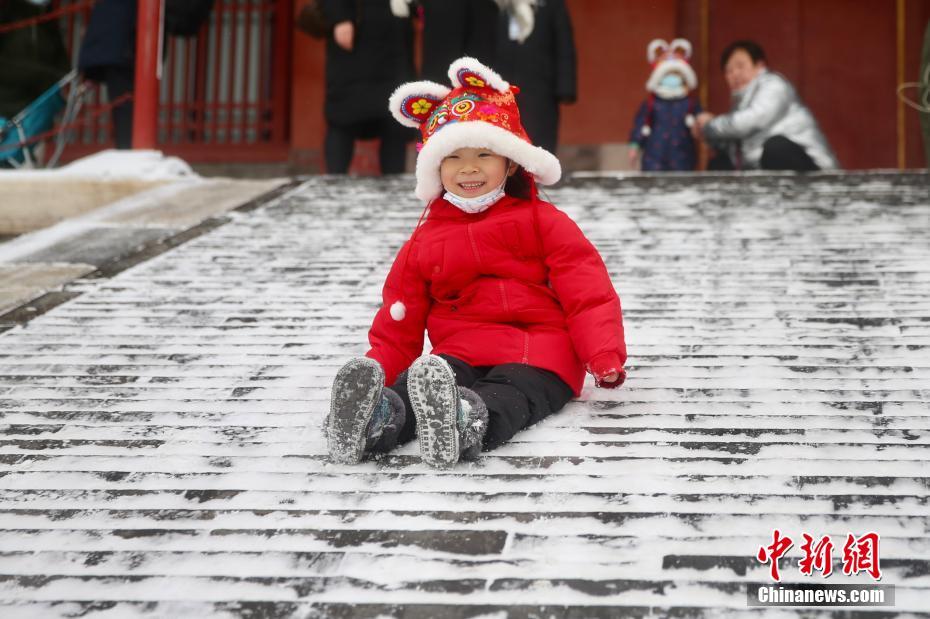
<point x="413" y="102"/>
<point x="470" y="73"/>
<point x="683" y="46"/>
<point x="656" y="47"/>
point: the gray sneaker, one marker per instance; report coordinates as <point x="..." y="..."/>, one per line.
<point x="356" y="392"/>
<point x="434" y="398"/>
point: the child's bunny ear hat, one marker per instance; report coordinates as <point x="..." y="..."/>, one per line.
<point x="478" y="111"/>
<point x="671" y="57"/>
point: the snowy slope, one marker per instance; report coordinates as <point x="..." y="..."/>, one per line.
<point x="162" y="456"/>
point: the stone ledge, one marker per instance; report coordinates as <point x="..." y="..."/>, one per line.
<point x="38" y="265"/>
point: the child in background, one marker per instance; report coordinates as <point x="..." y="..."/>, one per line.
<point x="661" y="136"/>
<point x="516" y="301"/>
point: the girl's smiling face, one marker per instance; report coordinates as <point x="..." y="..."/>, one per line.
<point x="473" y="172"/>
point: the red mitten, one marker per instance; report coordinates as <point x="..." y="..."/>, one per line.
<point x="605" y="364"/>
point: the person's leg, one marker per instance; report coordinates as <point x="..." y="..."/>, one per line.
<point x="392" y="152"/>
<point x="517" y="396"/>
<point x="465" y="376"/>
<point x="720" y="162"/>
<point x="650" y="162"/>
<point x="780" y="153"/>
<point x="683" y="157"/>
<point x="119" y="81"/>
<point x="338" y="148"/>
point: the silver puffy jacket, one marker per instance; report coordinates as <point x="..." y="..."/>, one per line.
<point x="769" y="106"/>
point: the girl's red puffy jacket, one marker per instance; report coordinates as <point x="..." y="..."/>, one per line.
<point x="517" y="283"/>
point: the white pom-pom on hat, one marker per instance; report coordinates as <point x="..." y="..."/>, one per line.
<point x="646" y="131"/>
<point x="398" y="311"/>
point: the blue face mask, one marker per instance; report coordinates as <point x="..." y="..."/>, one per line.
<point x="672" y="80"/>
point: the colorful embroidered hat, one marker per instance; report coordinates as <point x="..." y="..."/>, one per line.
<point x="668" y="57"/>
<point x="479" y="111"/>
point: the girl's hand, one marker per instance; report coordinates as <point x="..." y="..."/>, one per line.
<point x="344" y="34"/>
<point x="607" y="369"/>
<point x="610" y="380"/>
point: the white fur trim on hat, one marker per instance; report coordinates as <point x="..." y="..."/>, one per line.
<point x="656" y="46"/>
<point x="539" y="162"/>
<point x="683" y="44"/>
<point x="490" y="76"/>
<point x="667" y="66"/>
<point x="431" y="90"/>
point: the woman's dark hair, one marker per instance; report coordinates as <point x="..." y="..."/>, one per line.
<point x="519" y="184"/>
<point x="752" y="48"/>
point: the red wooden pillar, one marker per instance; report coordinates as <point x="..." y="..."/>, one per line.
<point x="148" y="57"/>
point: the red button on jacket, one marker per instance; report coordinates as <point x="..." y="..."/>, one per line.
<point x="517" y="283"/>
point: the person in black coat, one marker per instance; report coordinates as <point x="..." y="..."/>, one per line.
<point x="369" y="54"/>
<point x="107" y="56"/>
<point x="108" y="50"/>
<point x="452" y="29"/>
<point x="32" y="59"/>
<point x="543" y="65"/>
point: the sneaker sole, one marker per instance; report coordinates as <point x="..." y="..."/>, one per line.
<point x="433" y="393"/>
<point x="356" y="390"/>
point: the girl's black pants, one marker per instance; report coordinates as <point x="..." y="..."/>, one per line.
<point x="517" y="396"/>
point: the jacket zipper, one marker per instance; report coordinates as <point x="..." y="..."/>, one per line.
<point x="506" y="305"/>
<point x="474" y="246"/>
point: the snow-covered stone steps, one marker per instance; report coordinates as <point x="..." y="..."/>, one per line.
<point x="347" y="610"/>
<point x="397" y="555"/>
<point x="643" y="598"/>
<point x="720" y="422"/>
<point x="659" y="501"/>
<point x="74" y="431"/>
<point x="160" y="453"/>
<point x="142" y="482"/>
<point x="702" y="453"/>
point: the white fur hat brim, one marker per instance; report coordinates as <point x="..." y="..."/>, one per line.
<point x="667" y="66"/>
<point x="543" y="165"/>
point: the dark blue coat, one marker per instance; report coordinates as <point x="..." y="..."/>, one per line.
<point x="110" y="40"/>
<point x="669" y="145"/>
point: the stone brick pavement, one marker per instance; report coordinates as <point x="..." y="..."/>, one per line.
<point x="161" y="457"/>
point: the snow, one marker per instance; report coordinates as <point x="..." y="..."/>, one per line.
<point x="163" y="439"/>
<point x="109" y="165"/>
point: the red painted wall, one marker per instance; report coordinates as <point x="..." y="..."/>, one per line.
<point x="307" y="124"/>
<point x="840" y="54"/>
<point x="610" y="39"/>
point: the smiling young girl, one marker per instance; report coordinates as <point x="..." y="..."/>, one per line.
<point x="516" y="301"/>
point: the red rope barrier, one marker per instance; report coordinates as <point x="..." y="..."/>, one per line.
<point x="32" y="21"/>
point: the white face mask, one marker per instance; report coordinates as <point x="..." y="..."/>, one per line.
<point x="478" y="203"/>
